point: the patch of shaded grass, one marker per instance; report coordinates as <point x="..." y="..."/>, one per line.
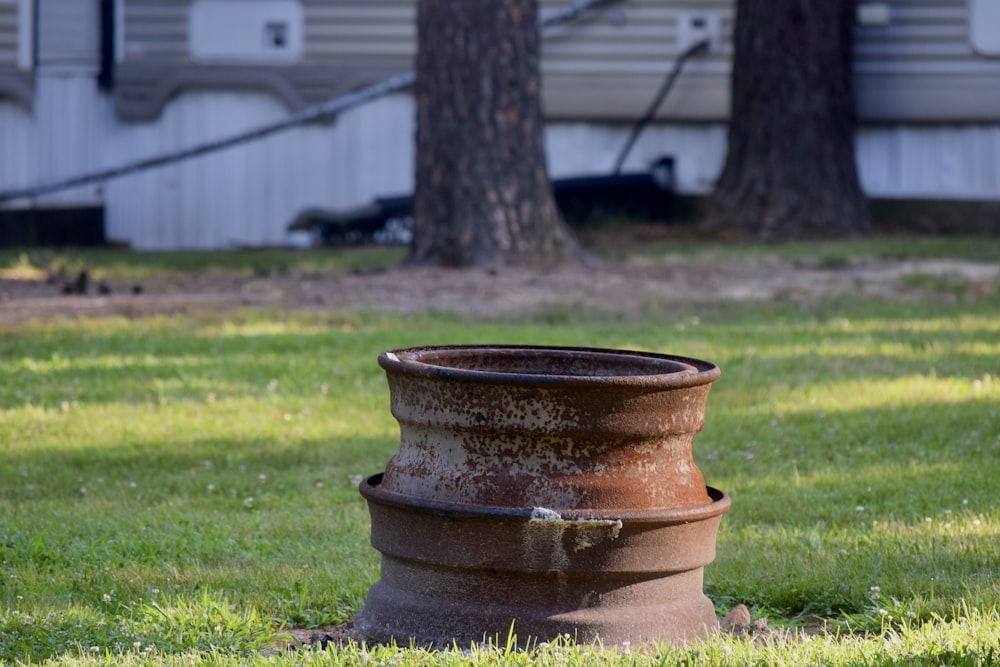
<point x="824" y="254"/>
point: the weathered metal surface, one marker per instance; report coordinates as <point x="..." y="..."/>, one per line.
<point x="451" y="574"/>
<point x="549" y="487"/>
<point x="563" y="428"/>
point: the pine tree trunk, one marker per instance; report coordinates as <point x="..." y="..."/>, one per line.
<point x="790" y="171"/>
<point x="482" y="194"/>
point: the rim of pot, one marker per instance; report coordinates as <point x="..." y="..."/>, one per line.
<point x="428" y="361"/>
<point x="719" y="503"/>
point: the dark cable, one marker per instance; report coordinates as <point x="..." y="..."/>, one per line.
<point x="657" y="101"/>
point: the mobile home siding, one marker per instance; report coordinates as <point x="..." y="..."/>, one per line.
<point x="353" y="31"/>
<point x="347" y="45"/>
<point x="68" y="33"/>
<point x="930" y="161"/>
<point x="248" y="194"/>
<point x="15" y="83"/>
<point x="156" y="30"/>
<point x="351" y="44"/>
<point x="610" y="67"/>
<point x="922" y="67"/>
<point x="8" y="34"/>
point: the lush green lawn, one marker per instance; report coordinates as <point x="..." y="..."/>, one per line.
<point x="179" y="488"/>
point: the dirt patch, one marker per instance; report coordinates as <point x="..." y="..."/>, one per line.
<point x="628" y="288"/>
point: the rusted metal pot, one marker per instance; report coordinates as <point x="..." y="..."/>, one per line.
<point x="549" y="487"/>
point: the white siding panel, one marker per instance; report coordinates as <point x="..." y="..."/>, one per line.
<point x="374" y="149"/>
<point x="217" y="200"/>
<point x="246" y="195"/>
<point x="945" y="162"/>
<point x="57" y="141"/>
<point x="585" y="149"/>
<point x="17" y="164"/>
<point x="916" y="161"/>
<point x="65" y="145"/>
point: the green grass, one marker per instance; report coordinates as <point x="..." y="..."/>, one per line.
<point x="681" y="242"/>
<point x="613" y="240"/>
<point x="123" y="265"/>
<point x="177" y="489"/>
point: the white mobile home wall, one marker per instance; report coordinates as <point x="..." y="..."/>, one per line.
<point x="929" y="104"/>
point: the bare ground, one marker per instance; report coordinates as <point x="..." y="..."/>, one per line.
<point x="627" y="288"/>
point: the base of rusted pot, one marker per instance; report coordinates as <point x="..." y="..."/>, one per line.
<point x="451" y="574"/>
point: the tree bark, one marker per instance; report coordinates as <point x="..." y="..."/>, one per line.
<point x="790" y="171"/>
<point x="482" y="195"/>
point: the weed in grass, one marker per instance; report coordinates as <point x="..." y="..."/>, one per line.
<point x="207" y="622"/>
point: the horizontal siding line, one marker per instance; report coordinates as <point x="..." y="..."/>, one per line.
<point x="595" y="47"/>
<point x="172" y="20"/>
<point x="592" y="58"/>
<point x="932" y="70"/>
<point x="169" y="11"/>
<point x="375" y="32"/>
<point x="917" y="51"/>
<point x="361" y="50"/>
<point x="643" y="72"/>
<point x="158" y="35"/>
<point x="667" y="47"/>
<point x="163" y="56"/>
<point x="356" y="14"/>
<point x="641" y="58"/>
<point x="309" y="6"/>
<point x="923" y="52"/>
<point x="624" y="67"/>
<point x="151" y="39"/>
<point x="352" y="43"/>
<point x="647" y="29"/>
<point x="147" y="47"/>
<point x="632" y="8"/>
<point x="931" y="32"/>
<point x="905" y="14"/>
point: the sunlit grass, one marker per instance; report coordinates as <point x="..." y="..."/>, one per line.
<point x="123" y="265"/>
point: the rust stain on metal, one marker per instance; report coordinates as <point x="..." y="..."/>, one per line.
<point x="560" y="427"/>
<point x="554" y="487"/>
